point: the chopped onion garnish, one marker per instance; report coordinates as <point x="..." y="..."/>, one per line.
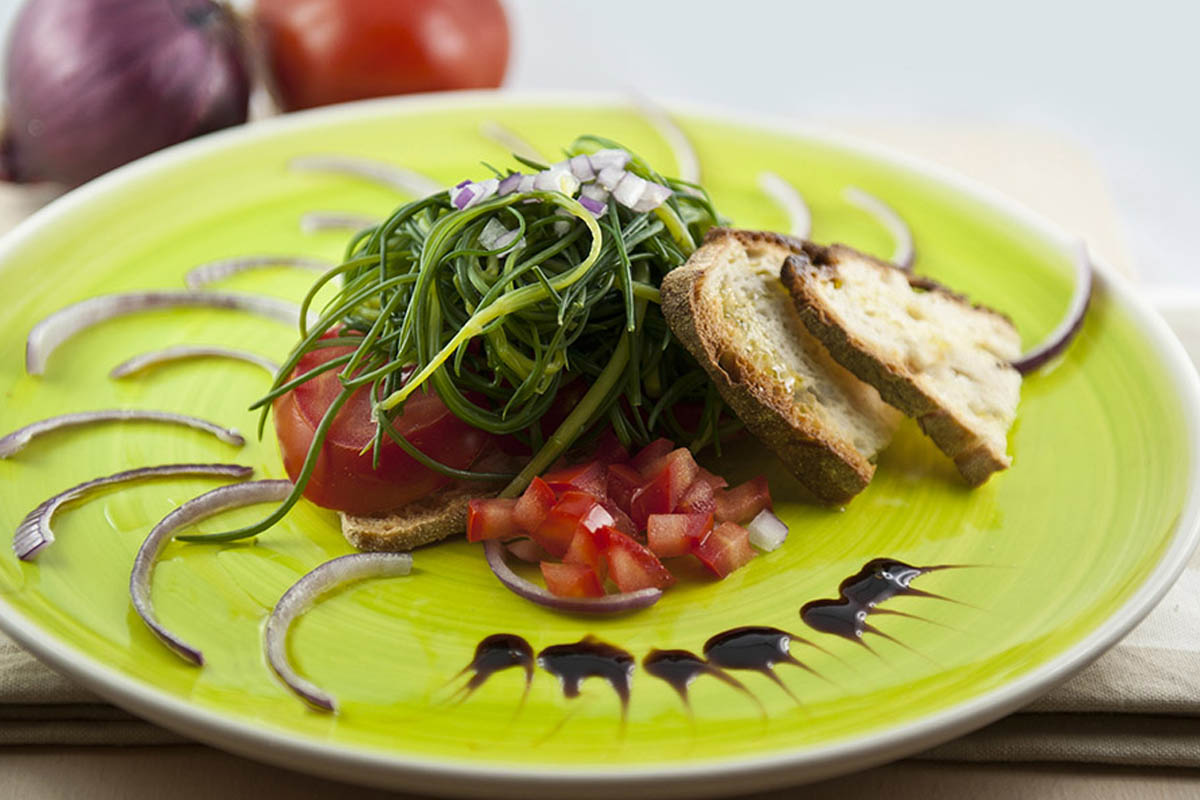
<point x="194" y="510"/>
<point x="1072" y="321"/>
<point x="653" y="196"/>
<point x="681" y="147"/>
<point x="610" y="177"/>
<point x="495" y="236"/>
<point x="790" y="200"/>
<point x="317" y="221"/>
<point x="904" y="253"/>
<point x="595" y="206"/>
<point x="510" y="140"/>
<point x="34" y="533"/>
<point x="526" y="184"/>
<point x="767" y="531"/>
<point x="630" y="190"/>
<point x="611" y="604"/>
<point x="14" y="442"/>
<point x="609" y="159"/>
<point x="395" y="177"/>
<point x="47" y="335"/>
<point x="468" y="193"/>
<point x="184" y="351"/>
<point x="509" y="184"/>
<point x="558" y="178"/>
<point x="300" y="598"/>
<point x="204" y="274"/>
<point x="581" y="168"/>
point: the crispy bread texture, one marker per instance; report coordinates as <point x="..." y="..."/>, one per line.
<point x="930" y="352"/>
<point x="428" y="520"/>
<point x="730" y="310"/>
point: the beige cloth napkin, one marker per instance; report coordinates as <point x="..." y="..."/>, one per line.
<point x="1138" y="704"/>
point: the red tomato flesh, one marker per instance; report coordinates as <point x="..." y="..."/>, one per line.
<point x="631" y="566"/>
<point x="724" y="549"/>
<point x="571" y="580"/>
<point x="743" y="502"/>
<point x="671" y="535"/>
<point x="662" y="494"/>
<point x="588" y="477"/>
<point x="648" y="460"/>
<point x="491" y="519"/>
<point x="585" y="550"/>
<point x="576" y="510"/>
<point x="533" y="505"/>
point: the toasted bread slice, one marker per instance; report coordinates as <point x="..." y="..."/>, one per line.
<point x="431" y="519"/>
<point x="729" y="309"/>
<point x="928" y="351"/>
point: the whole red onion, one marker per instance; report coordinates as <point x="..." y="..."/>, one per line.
<point x="92" y="84"/>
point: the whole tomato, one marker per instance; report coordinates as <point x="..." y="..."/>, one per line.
<point x="332" y="51"/>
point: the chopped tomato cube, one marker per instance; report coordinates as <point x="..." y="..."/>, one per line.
<point x="527" y="550"/>
<point x="649" y="458"/>
<point x="724" y="549"/>
<point x="572" y="580"/>
<point x="585" y="550"/>
<point x="587" y="477"/>
<point x="623" y="481"/>
<point x="715" y="481"/>
<point x="676" y="534"/>
<point x="533" y="506"/>
<point x="630" y="565"/>
<point x="664" y="490"/>
<point x="743" y="502"/>
<point x="698" y="498"/>
<point x="573" y="511"/>
<point x="621" y="520"/>
<point x="491" y="518"/>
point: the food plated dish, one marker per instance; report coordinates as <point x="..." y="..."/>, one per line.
<point x="388" y="648"/>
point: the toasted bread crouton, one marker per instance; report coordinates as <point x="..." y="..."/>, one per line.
<point x="730" y="310"/>
<point x="929" y="351"/>
<point x="430" y="519"/>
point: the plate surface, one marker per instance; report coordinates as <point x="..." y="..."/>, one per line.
<point x="1062" y="553"/>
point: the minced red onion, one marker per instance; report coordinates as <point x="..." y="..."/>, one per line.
<point x="610" y="177"/>
<point x="609" y="159"/>
<point x="301" y="596"/>
<point x="391" y="175"/>
<point x="557" y="178"/>
<point x="194" y="510"/>
<point x="317" y="221"/>
<point x="630" y="190"/>
<point x="509" y="184"/>
<point x="581" y="168"/>
<point x="14" y="442"/>
<point x="595" y="206"/>
<point x="495" y="236"/>
<point x="786" y="195"/>
<point x="611" y="604"/>
<point x="204" y="274"/>
<point x="184" y="351"/>
<point x="767" y="531"/>
<point x="34" y="534"/>
<point x="904" y="253"/>
<point x="1072" y="321"/>
<point x="52" y="331"/>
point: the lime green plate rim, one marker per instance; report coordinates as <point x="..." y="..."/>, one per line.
<point x="367" y="766"/>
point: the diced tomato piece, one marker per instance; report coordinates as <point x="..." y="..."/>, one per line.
<point x="585" y="550"/>
<point x="491" y="519"/>
<point x="665" y="489"/>
<point x="724" y="549"/>
<point x="609" y="449"/>
<point x="573" y="511"/>
<point x="621" y="520"/>
<point x="527" y="550"/>
<point x="698" y="498"/>
<point x="743" y="502"/>
<point x="623" y="481"/>
<point x="572" y="580"/>
<point x="715" y="481"/>
<point x="648" y="458"/>
<point x="587" y="477"/>
<point x="533" y="505"/>
<point x="630" y="565"/>
<point x="676" y="534"/>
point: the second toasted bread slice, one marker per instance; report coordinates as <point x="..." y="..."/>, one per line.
<point x="729" y="309"/>
<point x="928" y="351"/>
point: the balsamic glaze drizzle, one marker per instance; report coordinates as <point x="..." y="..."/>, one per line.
<point x="498" y="652"/>
<point x="680" y="667"/>
<point x="757" y="648"/>
<point x="590" y="658"/>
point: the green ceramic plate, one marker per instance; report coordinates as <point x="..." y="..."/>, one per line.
<point x="1069" y="548"/>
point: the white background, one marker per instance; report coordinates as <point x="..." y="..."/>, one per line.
<point x="1122" y="80"/>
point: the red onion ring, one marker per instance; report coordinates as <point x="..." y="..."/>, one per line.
<point x="34" y="533"/>
<point x="200" y="276"/>
<point x="788" y="198"/>
<point x="510" y="140"/>
<point x="52" y="331"/>
<point x="392" y="176"/>
<point x="153" y="358"/>
<point x="301" y="596"/>
<point x="194" y="510"/>
<point x="1072" y="322"/>
<point x="610" y="604"/>
<point x="686" y="160"/>
<point x="15" y="442"/>
<point x="317" y="221"/>
<point x="904" y="253"/>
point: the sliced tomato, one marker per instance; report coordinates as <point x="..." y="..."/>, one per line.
<point x="623" y="481"/>
<point x="698" y="498"/>
<point x="533" y="505"/>
<point x="572" y="580"/>
<point x="664" y="490"/>
<point x="585" y="550"/>
<point x="587" y="477"/>
<point x="743" y="502"/>
<point x="648" y="459"/>
<point x="724" y="549"/>
<point x="491" y="519"/>
<point x="670" y="535"/>
<point x="573" y="511"/>
<point x="630" y="565"/>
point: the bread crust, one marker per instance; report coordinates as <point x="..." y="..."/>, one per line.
<point x="975" y="459"/>
<point x="430" y="519"/>
<point x="833" y="470"/>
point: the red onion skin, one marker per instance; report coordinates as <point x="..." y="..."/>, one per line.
<point x="92" y="84"/>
